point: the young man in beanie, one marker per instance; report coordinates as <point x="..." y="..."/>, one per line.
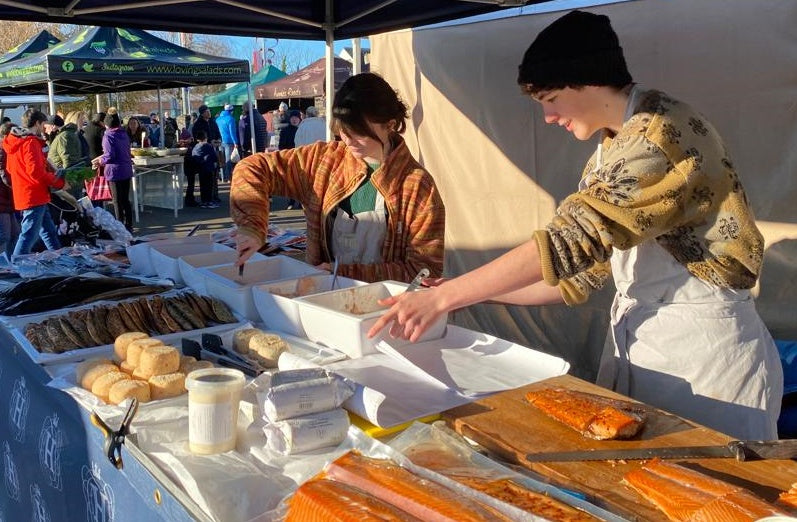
<point x="661" y="209"/>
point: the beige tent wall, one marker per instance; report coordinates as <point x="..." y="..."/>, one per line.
<point x="501" y="170"/>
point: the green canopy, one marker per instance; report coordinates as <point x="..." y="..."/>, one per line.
<point x="107" y="59"/>
<point x="236" y="95"/>
<point x="40" y="42"/>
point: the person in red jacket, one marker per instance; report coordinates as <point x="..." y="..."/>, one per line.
<point x="32" y="176"/>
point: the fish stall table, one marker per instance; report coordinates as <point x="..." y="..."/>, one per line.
<point x="55" y="465"/>
<point x="158" y="182"/>
<point x="511" y="428"/>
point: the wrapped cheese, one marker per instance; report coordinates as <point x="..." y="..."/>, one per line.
<point x="307" y="433"/>
<point x="300" y="392"/>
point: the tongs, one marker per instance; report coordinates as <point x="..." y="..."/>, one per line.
<point x="115" y="438"/>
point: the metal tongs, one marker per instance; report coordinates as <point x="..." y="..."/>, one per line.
<point x="423" y="274"/>
<point x="115" y="439"/>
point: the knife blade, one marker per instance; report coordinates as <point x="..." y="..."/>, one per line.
<point x="741" y="450"/>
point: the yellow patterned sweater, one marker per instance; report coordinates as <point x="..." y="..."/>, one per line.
<point x="320" y="176"/>
<point x="666" y="177"/>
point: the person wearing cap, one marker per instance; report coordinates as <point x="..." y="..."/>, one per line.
<point x="52" y="126"/>
<point x="660" y="209"/>
<point x="368" y="203"/>
<point x="207" y="125"/>
<point x="245" y="130"/>
<point x="280" y="119"/>
<point x="229" y="137"/>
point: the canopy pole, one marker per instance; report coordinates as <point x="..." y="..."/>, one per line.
<point x="51" y="96"/>
<point x="160" y="119"/>
<point x="251" y="116"/>
<point x="97" y="100"/>
<point x="329" y="83"/>
<point x="357" y="62"/>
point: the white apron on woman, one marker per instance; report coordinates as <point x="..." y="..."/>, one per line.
<point x="358" y="239"/>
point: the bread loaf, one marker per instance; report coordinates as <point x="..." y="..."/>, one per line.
<point x="165" y="386"/>
<point x="85" y="366"/>
<point x="135" y="348"/>
<point x="187" y="367"/>
<point x="122" y="341"/>
<point x="158" y="360"/>
<point x="240" y="339"/>
<point x="266" y="348"/>
<point x="128" y="388"/>
<point x="102" y="384"/>
<point x="126" y="367"/>
<point x="91" y="375"/>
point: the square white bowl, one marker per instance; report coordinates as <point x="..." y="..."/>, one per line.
<point x="164" y="258"/>
<point x="276" y="305"/>
<point x="140" y="260"/>
<point x="190" y="265"/>
<point x="340" y="319"/>
<point x="223" y="281"/>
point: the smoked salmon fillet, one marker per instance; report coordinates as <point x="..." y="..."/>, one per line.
<point x="321" y="500"/>
<point x="591" y="415"/>
<point x="424" y="499"/>
<point x="687" y="495"/>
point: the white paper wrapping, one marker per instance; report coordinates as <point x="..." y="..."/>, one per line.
<point x="307" y="433"/>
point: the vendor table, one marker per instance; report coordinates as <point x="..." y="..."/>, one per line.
<point x="507" y="426"/>
<point x="158" y="182"/>
<point x="54" y="463"/>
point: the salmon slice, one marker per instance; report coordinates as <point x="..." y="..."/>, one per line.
<point x="321" y="500"/>
<point x="395" y="485"/>
<point x="789" y="498"/>
<point x="687" y="495"/>
<point x="591" y="415"/>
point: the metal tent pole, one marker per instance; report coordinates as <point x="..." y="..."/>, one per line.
<point x="160" y="119"/>
<point x="329" y="81"/>
<point x="51" y="96"/>
<point x="251" y="115"/>
<point x="356" y="50"/>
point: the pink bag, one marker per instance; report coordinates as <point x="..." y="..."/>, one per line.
<point x="98" y="188"/>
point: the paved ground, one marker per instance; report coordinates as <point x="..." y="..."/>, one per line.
<point x="157" y="220"/>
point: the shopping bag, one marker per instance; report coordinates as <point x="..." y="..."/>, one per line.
<point x="97" y="188"/>
<point x="235" y="156"/>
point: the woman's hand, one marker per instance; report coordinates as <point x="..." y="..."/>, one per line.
<point x="324" y="266"/>
<point x="247" y="245"/>
<point x="410" y="314"/>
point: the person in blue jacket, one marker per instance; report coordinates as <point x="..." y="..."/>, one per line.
<point x="229" y="137"/>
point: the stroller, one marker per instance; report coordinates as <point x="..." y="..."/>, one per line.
<point x="72" y="223"/>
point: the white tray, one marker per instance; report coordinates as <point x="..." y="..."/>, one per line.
<point x="165" y="258"/>
<point x="16" y="327"/>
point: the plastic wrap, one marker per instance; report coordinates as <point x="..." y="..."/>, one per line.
<point x="295" y="393"/>
<point x="307" y="433"/>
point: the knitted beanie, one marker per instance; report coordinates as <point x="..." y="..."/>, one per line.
<point x="579" y="48"/>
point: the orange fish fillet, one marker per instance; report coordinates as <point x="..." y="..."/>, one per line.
<point x="395" y="485"/>
<point x="321" y="500"/>
<point x="591" y="415"/>
<point x="687" y="495"/>
<point x="789" y="498"/>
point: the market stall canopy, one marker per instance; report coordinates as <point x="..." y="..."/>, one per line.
<point x="304" y="83"/>
<point x="305" y="20"/>
<point x="40" y="42"/>
<point x="237" y="94"/>
<point x="105" y="59"/>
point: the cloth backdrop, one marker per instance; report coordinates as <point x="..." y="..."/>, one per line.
<point x="502" y="170"/>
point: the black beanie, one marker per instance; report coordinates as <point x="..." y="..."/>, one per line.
<point x="579" y="48"/>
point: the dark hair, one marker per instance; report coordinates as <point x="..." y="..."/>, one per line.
<point x="6" y="119"/>
<point x="5" y="128"/>
<point x="364" y="98"/>
<point x="31" y="117"/>
<point x="98" y="117"/>
<point x="113" y="120"/>
<point x="200" y="135"/>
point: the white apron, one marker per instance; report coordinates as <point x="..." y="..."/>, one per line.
<point x="688" y="347"/>
<point x="359" y="239"/>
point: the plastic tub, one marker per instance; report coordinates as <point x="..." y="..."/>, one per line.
<point x="223" y="281"/>
<point x="164" y="258"/>
<point x="213" y="397"/>
<point x="140" y="260"/>
<point x="275" y="301"/>
<point x="341" y="319"/>
<point x="189" y="266"/>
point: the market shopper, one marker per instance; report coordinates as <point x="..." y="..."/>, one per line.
<point x="117" y="167"/>
<point x="32" y="177"/>
<point x="661" y="209"/>
<point x="66" y="149"/>
<point x="367" y="201"/>
<point x="9" y="226"/>
<point x="228" y="128"/>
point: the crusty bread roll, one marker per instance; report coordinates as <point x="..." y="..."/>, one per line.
<point x="102" y="384"/>
<point x="121" y="342"/>
<point x="135" y="348"/>
<point x="165" y="386"/>
<point x="125" y="389"/>
<point x="94" y="372"/>
<point x="266" y="348"/>
<point x="240" y="339"/>
<point x="187" y="367"/>
<point x="83" y="367"/>
<point x="126" y="367"/>
<point x="158" y="360"/>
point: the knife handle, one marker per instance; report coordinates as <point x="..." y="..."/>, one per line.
<point x="785" y="449"/>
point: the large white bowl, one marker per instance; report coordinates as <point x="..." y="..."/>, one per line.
<point x="140" y="260"/>
<point x="340" y="319"/>
<point x="165" y="258"/>
<point x="191" y="264"/>
<point x="276" y="305"/>
<point x="223" y="281"/>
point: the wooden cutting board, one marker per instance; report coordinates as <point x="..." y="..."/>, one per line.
<point x="510" y="427"/>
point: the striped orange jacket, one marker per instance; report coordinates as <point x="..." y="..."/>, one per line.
<point x="320" y="176"/>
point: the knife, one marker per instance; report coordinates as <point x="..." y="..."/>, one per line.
<point x="737" y="449"/>
<point x="423" y="274"/>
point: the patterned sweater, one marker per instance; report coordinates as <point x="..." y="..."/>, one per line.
<point x="320" y="176"/>
<point x="666" y="176"/>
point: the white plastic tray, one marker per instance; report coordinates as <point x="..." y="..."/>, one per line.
<point x="139" y="257"/>
<point x="164" y="258"/>
<point x="190" y="265"/>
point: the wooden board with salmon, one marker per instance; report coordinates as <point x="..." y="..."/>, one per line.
<point x="510" y="428"/>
